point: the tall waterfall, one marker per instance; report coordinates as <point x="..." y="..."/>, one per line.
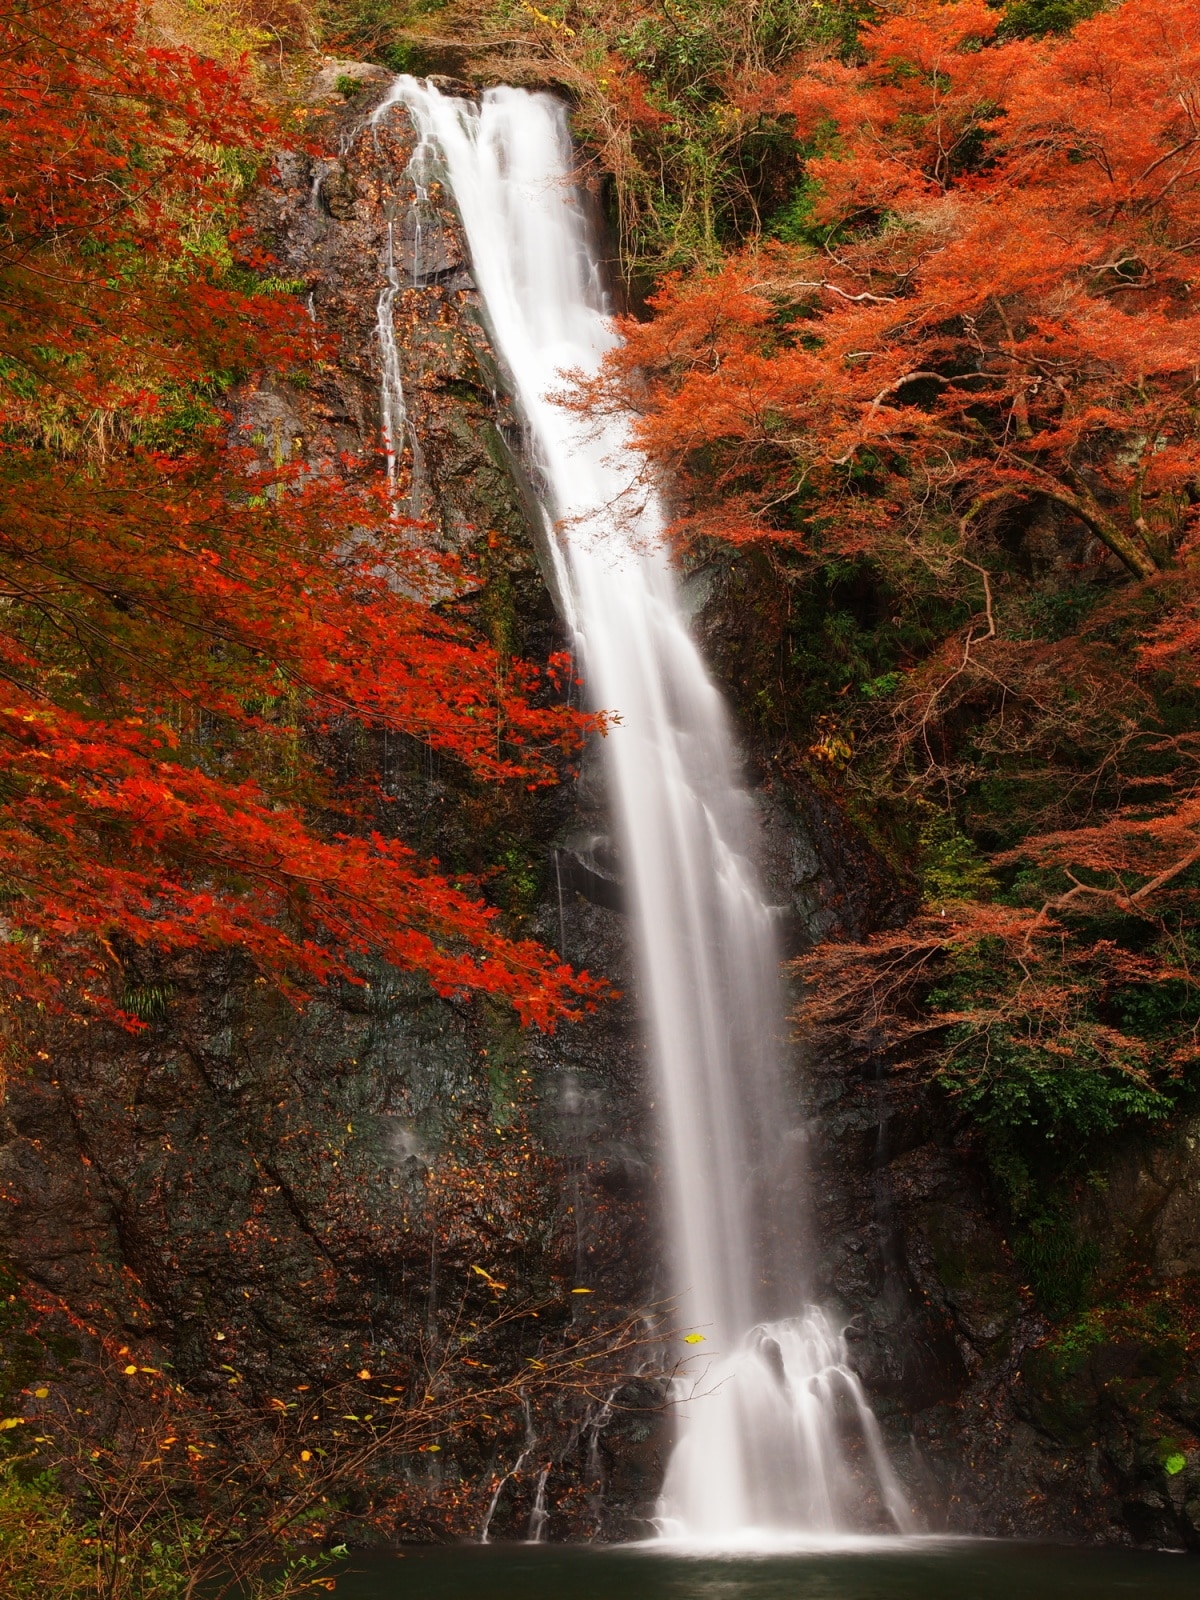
<point x="776" y="1434"/>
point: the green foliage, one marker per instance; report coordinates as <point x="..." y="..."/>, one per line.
<point x="1056" y="611"/>
<point x="177" y="421"/>
<point x="43" y="1555"/>
<point x="950" y="865"/>
<point x="372" y="30"/>
<point x="1050" y="1074"/>
<point x="1153" y="1330"/>
<point x="879" y="688"/>
<point x="1050" y="1082"/>
<point x="402" y="56"/>
<point x="49" y="1551"/>
<point x="518" y="882"/>
<point x="1030" y="1101"/>
<point x="1076" y="1338"/>
<point x="850" y="627"/>
<point x="795" y="221"/>
<point x="149" y="1002"/>
<point x="667" y="100"/>
<point x="1030" y="19"/>
<point x="1058" y="1263"/>
<point x="687" y="49"/>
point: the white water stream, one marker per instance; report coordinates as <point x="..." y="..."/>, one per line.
<point x="777" y="1437"/>
<point x="392" y="411"/>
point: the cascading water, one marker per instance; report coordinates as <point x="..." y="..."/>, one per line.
<point x="777" y="1436"/>
<point x="392" y="411"/>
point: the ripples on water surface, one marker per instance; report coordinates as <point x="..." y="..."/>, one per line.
<point x="951" y="1570"/>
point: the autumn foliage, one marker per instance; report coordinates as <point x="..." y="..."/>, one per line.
<point x="951" y="406"/>
<point x="183" y="627"/>
<point x="252" y="1492"/>
<point x="994" y="321"/>
<point x="997" y="307"/>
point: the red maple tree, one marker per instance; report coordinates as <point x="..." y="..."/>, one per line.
<point x="179" y="625"/>
<point x="997" y="305"/>
<point x="965" y="388"/>
<point x="993" y="317"/>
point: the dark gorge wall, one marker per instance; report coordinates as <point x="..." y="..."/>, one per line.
<point x="290" y="1197"/>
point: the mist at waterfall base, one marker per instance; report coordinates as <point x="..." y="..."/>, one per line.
<point x="776" y="1438"/>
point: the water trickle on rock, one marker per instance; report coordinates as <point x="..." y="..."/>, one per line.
<point x="392" y="410"/>
<point x="777" y="1437"/>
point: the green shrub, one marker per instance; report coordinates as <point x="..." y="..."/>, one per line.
<point x="43" y="1556"/>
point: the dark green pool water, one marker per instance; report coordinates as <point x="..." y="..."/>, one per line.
<point x="960" y="1570"/>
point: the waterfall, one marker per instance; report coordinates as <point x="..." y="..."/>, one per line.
<point x="392" y="411"/>
<point x="776" y="1433"/>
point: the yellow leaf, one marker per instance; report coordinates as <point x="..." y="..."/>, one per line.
<point x="488" y="1279"/>
<point x="40" y="1394"/>
<point x="130" y="1371"/>
<point x="306" y="1455"/>
<point x="583" y="1291"/>
<point x="10" y="1422"/>
<point x="364" y="1373"/>
<point x="693" y="1338"/>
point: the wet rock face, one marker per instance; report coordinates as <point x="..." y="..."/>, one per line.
<point x="340" y="225"/>
<point x="246" y="1170"/>
<point x="1149" y="1207"/>
<point x="1001" y="1422"/>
